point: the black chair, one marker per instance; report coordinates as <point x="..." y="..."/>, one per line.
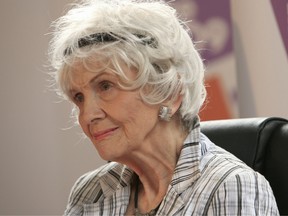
<point x="262" y="143"/>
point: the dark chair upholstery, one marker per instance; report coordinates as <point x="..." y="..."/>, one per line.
<point x="262" y="143"/>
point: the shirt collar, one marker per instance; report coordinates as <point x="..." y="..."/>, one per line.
<point x="187" y="170"/>
<point x="117" y="177"/>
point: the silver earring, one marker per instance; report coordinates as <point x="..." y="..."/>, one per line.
<point x="165" y="113"/>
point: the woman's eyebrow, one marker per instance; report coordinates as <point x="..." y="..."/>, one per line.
<point x="96" y="77"/>
<point x="102" y="73"/>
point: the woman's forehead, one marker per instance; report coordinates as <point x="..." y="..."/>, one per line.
<point x="81" y="72"/>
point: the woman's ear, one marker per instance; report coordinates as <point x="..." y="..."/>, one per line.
<point x="167" y="111"/>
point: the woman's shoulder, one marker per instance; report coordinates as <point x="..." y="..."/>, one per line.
<point x="223" y="174"/>
<point x="222" y="169"/>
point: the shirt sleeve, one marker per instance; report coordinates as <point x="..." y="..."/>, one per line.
<point x="246" y="193"/>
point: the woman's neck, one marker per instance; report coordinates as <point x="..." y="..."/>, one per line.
<point x="154" y="164"/>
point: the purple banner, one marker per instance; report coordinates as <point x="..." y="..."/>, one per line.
<point x="281" y="13"/>
<point x="211" y="25"/>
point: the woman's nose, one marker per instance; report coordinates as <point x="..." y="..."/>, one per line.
<point x="92" y="111"/>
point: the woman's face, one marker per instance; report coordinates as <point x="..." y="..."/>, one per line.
<point x="117" y="121"/>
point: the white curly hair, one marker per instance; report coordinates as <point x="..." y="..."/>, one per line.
<point x="147" y="35"/>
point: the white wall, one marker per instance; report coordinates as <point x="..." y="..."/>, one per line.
<point x="39" y="161"/>
<point x="262" y="62"/>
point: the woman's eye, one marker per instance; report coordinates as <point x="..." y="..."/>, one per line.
<point x="105" y="85"/>
<point x="106" y="90"/>
<point x="79" y="97"/>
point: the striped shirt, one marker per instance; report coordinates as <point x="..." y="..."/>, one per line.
<point x="207" y="181"/>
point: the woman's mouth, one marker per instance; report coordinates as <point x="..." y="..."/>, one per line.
<point x="100" y="135"/>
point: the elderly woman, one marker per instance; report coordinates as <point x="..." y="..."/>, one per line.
<point x="136" y="79"/>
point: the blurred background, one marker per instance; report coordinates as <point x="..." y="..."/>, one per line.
<point x="244" y="45"/>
